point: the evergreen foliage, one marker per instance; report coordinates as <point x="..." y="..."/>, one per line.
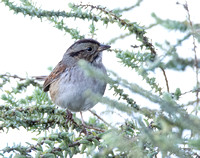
<point x="146" y="132"/>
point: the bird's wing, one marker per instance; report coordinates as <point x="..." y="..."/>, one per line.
<point x="54" y="75"/>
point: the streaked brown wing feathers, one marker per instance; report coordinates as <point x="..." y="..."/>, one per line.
<point x="54" y="75"/>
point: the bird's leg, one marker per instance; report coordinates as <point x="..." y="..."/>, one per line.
<point x="69" y="116"/>
<point x="84" y="125"/>
<point x="82" y="119"/>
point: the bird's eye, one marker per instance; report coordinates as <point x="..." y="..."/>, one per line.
<point x="89" y="49"/>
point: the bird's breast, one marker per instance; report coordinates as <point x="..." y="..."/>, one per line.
<point x="69" y="90"/>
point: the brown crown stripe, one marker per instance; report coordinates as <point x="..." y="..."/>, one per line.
<point x="85" y="41"/>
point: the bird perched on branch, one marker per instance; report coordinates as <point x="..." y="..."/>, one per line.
<point x="68" y="82"/>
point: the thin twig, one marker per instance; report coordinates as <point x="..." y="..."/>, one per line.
<point x="94" y="128"/>
<point x="90" y="127"/>
<point x="166" y="80"/>
<point x="12" y="76"/>
<point x="191" y="91"/>
<point x="99" y="117"/>
<point x="41" y="78"/>
<point x="195" y="54"/>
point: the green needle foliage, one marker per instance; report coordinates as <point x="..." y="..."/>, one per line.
<point x="142" y="131"/>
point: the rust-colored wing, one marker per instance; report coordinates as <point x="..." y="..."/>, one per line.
<point x="54" y="75"/>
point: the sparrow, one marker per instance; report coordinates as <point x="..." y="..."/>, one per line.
<point x="67" y="83"/>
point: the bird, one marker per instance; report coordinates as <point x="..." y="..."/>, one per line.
<point x="67" y="83"/>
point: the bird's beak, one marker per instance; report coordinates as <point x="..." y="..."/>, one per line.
<point x="103" y="47"/>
